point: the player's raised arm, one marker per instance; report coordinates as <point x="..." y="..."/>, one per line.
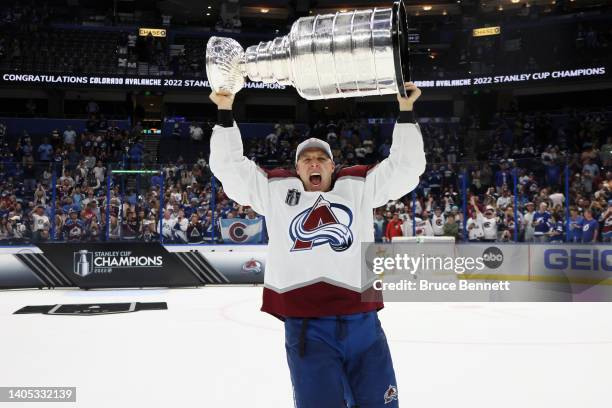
<point x="243" y="181"/>
<point x="399" y="173"/>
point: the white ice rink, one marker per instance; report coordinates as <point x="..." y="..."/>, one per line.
<point x="214" y="348"/>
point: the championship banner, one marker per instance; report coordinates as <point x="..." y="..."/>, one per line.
<point x="241" y="231"/>
<point x="129" y="264"/>
<point x="120" y="264"/>
<point x="163" y="83"/>
<point x="115" y="81"/>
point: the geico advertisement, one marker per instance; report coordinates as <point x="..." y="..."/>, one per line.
<point x="576" y="261"/>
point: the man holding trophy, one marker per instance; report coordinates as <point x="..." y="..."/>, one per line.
<point x="318" y="215"/>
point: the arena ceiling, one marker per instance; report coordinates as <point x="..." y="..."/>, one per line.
<point x="279" y="9"/>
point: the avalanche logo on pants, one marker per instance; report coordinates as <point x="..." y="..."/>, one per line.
<point x="320" y="225"/>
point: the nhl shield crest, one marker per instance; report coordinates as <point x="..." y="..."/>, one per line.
<point x="293" y="197"/>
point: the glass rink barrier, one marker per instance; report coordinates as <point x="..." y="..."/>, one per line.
<point x="126" y="212"/>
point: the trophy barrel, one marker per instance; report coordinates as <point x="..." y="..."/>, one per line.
<point x="350" y="54"/>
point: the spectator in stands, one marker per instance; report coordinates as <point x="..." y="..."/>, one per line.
<point x="576" y="223"/>
<point x="45" y="150"/>
<point x="590" y="227"/>
<point x="74" y="229"/>
<point x="474" y="227"/>
<point x="195" y="230"/>
<point x="379" y="227"/>
<point x="196" y="133"/>
<point x="451" y="227"/>
<point x="528" y="227"/>
<point x="70" y="136"/>
<point x="394" y="228"/>
<point x="5" y="229"/>
<point x="18" y="230"/>
<point x="489" y="221"/>
<point x="29" y="178"/>
<point x="541" y="223"/>
<point x="40" y="222"/>
<point x="606" y="222"/>
<point x="505" y="199"/>
<point x="557" y="198"/>
<point x="438" y="220"/>
<point x="167" y="226"/>
<point x="557" y="230"/>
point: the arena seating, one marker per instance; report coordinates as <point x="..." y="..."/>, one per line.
<point x="578" y="142"/>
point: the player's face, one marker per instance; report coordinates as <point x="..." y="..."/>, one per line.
<point x="315" y="169"/>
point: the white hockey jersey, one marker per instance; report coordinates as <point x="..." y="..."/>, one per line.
<point x="313" y="265"/>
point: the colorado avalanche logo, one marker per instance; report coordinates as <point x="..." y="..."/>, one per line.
<point x="391" y="394"/>
<point x="237" y="232"/>
<point x="253" y="266"/>
<point x="319" y="225"/>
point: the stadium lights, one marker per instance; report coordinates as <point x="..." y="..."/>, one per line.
<point x="264" y="10"/>
<point x="426" y="8"/>
<point x="515" y="1"/>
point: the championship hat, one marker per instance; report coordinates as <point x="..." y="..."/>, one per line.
<point x="313" y="143"/>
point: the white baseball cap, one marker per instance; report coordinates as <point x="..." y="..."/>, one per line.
<point x="313" y="143"/>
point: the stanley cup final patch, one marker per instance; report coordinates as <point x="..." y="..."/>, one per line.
<point x="293" y="197"/>
<point x="391" y="394"/>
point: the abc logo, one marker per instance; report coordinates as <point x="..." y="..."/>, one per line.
<point x="492" y="257"/>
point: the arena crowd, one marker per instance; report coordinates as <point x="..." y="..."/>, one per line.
<point x="536" y="150"/>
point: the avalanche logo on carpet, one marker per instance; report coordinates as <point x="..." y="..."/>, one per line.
<point x="323" y="223"/>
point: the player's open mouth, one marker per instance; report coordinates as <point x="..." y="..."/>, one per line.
<point x="315" y="179"/>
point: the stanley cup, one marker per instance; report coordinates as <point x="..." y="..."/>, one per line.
<point x="356" y="53"/>
<point x="83" y="263"/>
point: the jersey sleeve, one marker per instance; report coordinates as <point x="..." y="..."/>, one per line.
<point x="243" y="181"/>
<point x="399" y="173"/>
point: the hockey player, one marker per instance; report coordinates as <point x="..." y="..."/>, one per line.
<point x="317" y="217"/>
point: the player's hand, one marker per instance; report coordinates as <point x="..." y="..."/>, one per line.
<point x="407" y="103"/>
<point x="223" y="99"/>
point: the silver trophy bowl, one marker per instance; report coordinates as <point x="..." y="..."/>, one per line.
<point x="342" y="55"/>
